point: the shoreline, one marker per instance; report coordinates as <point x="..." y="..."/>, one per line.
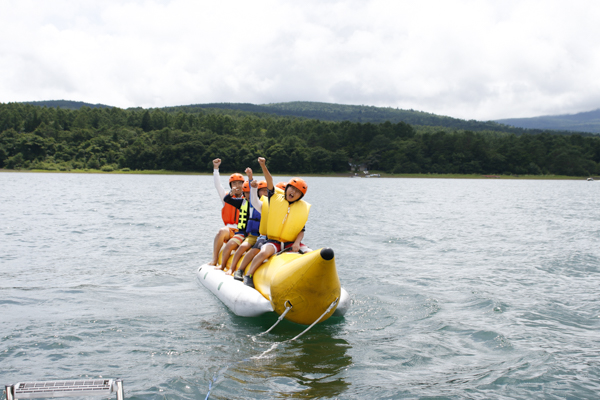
<point x="328" y="175"/>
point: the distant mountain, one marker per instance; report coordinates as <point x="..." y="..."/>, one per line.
<point x="342" y="112"/>
<point x="66" y="104"/>
<point x="588" y="121"/>
<point x="353" y="113"/>
<point x="364" y="114"/>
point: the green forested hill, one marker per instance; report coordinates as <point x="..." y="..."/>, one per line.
<point x="66" y="104"/>
<point x="188" y="138"/>
<point x="376" y="115"/>
<point x="355" y="113"/>
<point x="341" y="112"/>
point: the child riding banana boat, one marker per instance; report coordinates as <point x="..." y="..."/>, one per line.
<point x="279" y="272"/>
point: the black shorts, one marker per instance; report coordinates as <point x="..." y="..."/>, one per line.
<point x="259" y="242"/>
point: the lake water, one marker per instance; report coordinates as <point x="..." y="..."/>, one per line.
<point x="461" y="289"/>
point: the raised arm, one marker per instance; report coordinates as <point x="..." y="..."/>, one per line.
<point x="263" y="164"/>
<point x="249" y="174"/>
<point x="217" y="179"/>
<point x="254" y="200"/>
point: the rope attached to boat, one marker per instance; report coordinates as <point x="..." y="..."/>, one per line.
<point x="287" y="309"/>
<point x="274" y="346"/>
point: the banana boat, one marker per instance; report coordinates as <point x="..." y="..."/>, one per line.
<point x="299" y="286"/>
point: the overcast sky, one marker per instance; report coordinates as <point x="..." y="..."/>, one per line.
<point x="481" y="59"/>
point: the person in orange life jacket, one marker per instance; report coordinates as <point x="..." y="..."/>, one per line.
<point x="294" y="191"/>
<point x="252" y="229"/>
<point x="228" y="213"/>
<point x="240" y="234"/>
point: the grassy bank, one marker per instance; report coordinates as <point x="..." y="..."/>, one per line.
<point x="478" y="176"/>
<point x="115" y="172"/>
<point x="332" y="175"/>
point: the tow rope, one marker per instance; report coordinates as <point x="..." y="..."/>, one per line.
<point x="287" y="309"/>
<point x="274" y="346"/>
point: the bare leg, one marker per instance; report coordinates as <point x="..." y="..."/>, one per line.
<point x="221" y="237"/>
<point x="229" y="247"/>
<point x="248" y="258"/>
<point x="265" y="252"/>
<point x="236" y="257"/>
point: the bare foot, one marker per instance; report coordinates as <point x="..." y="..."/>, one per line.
<point x="230" y="272"/>
<point x="212" y="263"/>
<point x="219" y="267"/>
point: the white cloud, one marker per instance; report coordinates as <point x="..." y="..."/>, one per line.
<point x="469" y="59"/>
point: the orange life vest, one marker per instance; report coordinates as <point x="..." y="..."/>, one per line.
<point x="230" y="214"/>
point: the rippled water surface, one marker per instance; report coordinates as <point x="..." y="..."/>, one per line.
<point x="478" y="289"/>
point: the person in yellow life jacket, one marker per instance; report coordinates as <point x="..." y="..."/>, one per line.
<point x="229" y="214"/>
<point x="285" y="220"/>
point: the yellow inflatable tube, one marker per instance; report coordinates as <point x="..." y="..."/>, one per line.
<point x="308" y="282"/>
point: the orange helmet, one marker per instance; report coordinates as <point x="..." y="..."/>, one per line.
<point x="246" y="186"/>
<point x="281" y="185"/>
<point x="261" y="184"/>
<point x="235" y="177"/>
<point x="299" y="184"/>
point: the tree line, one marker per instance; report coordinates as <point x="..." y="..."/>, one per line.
<point x="33" y="137"/>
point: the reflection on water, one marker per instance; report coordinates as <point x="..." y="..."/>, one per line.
<point x="311" y="367"/>
<point x="316" y="364"/>
<point x="272" y="366"/>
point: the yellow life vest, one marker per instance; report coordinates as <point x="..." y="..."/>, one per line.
<point x="264" y="215"/>
<point x="286" y="220"/>
<point x="264" y="212"/>
<point x="243" y="216"/>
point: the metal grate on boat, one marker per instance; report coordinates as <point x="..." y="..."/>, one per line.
<point x="87" y="387"/>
